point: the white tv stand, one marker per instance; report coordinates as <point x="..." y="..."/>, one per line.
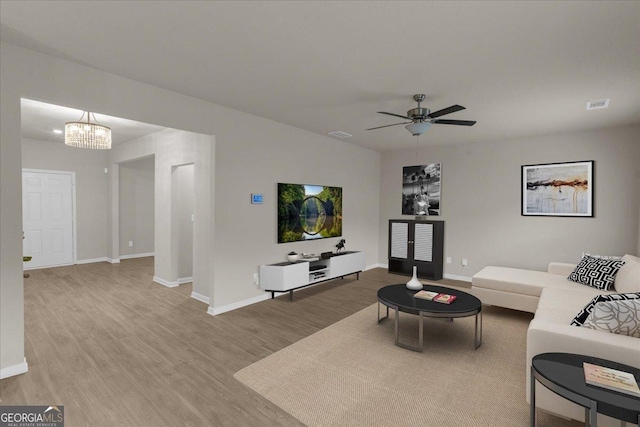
<point x="288" y="276"/>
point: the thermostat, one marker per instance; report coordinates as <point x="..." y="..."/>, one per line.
<point x="256" y="199"/>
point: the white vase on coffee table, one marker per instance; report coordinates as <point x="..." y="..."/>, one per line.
<point x="414" y="284"/>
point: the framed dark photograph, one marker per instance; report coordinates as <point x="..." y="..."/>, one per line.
<point x="421" y="190"/>
<point x="558" y="189"/>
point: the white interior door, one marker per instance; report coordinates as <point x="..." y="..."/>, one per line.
<point x="47" y="218"/>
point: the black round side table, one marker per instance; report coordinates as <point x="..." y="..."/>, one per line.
<point x="563" y="374"/>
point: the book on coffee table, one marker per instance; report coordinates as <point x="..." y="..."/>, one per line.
<point x="428" y="295"/>
<point x="445" y="298"/>
<point x="611" y="379"/>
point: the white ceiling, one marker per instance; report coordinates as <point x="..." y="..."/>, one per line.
<point x="520" y="68"/>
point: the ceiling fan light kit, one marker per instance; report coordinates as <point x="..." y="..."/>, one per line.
<point x="421" y="119"/>
<point x="418" y="128"/>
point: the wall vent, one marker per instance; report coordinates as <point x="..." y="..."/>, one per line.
<point x="596" y="105"/>
<point x="340" y="134"/>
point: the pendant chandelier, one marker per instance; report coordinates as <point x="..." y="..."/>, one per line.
<point x="86" y="134"/>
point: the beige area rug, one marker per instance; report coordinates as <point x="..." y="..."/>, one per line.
<point x="352" y="374"/>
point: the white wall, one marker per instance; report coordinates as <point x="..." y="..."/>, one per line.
<point x="183" y="206"/>
<point x="136" y="206"/>
<point x="11" y="281"/>
<point x="481" y="199"/>
<point x="91" y="189"/>
<point x="246" y="234"/>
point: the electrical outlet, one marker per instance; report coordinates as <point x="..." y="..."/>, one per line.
<point x="464" y="262"/>
<point x="256" y="279"/>
<point x="130" y="243"/>
<point x="448" y="260"/>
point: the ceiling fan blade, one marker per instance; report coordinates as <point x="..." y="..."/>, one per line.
<point x="395" y="115"/>
<point x="386" y="126"/>
<point x="447" y="110"/>
<point x="454" y="122"/>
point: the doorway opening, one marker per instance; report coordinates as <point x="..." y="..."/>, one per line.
<point x="137" y="208"/>
<point x="182" y="217"/>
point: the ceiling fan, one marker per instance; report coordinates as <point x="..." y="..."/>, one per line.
<point x="421" y="119"/>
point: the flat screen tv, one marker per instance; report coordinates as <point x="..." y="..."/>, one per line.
<point x="308" y="212"/>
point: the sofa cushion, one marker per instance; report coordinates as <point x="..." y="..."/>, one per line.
<point x="561" y="268"/>
<point x="519" y="281"/>
<point x="586" y="311"/>
<point x="628" y="277"/>
<point x="618" y="317"/>
<point x="596" y="272"/>
<point x="557" y="305"/>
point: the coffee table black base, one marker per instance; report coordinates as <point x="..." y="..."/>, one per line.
<point x="429" y="311"/>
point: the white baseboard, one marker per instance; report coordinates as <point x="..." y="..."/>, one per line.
<point x="11" y="371"/>
<point x="214" y="311"/>
<point x="446" y="276"/>
<point x="46" y="266"/>
<point x="183" y="280"/>
<point x="454" y="277"/>
<point x="200" y="297"/>
<point x="131" y="256"/>
<point x="371" y="267"/>
<point x="165" y="282"/>
<point x="92" y="260"/>
<point x="113" y="261"/>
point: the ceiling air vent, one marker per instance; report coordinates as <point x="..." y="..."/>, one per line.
<point x="596" y="105"/>
<point x="340" y="134"/>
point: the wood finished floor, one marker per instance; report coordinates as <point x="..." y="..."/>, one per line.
<point x="115" y="348"/>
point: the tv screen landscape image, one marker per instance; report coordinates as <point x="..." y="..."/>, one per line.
<point x="308" y="212"/>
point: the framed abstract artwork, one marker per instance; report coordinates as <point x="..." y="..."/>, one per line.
<point x="558" y="189"/>
<point x="421" y="190"/>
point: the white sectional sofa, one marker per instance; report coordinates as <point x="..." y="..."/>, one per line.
<point x="520" y="289"/>
<point x="555" y="300"/>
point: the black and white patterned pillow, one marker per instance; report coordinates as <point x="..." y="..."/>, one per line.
<point x="596" y="272"/>
<point x="616" y="257"/>
<point x="586" y="311"/>
<point x="617" y="317"/>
